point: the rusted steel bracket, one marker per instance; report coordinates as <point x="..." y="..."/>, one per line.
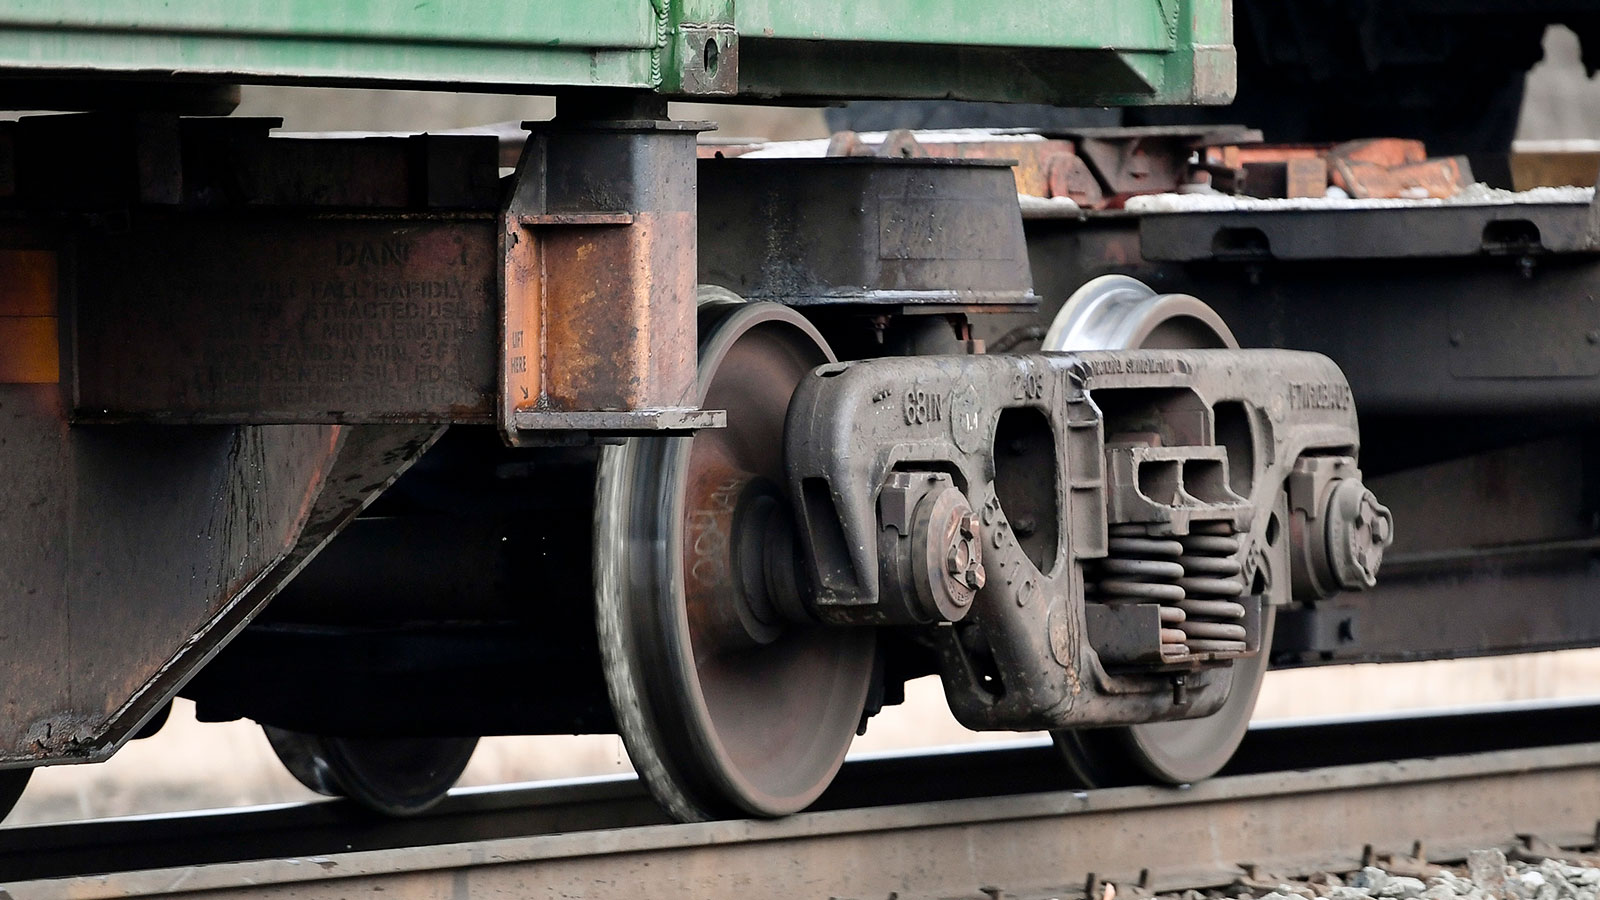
<point x="245" y="279"/>
<point x="598" y="250"/>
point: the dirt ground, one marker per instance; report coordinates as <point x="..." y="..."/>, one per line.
<point x="190" y="765"/>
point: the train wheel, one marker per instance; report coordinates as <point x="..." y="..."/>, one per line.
<point x="12" y="784"/>
<point x="392" y="776"/>
<point x="727" y="706"/>
<point x="1115" y="312"/>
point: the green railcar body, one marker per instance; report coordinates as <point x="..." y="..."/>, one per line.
<point x="1100" y="52"/>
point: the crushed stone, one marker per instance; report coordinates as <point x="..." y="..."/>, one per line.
<point x="1485" y="875"/>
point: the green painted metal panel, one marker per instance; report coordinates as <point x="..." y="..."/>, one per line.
<point x="433" y="43"/>
<point x="1069" y="24"/>
<point x="1053" y="51"/>
<point x="585" y="23"/>
<point x="328" y="62"/>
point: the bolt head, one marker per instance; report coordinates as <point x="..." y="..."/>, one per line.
<point x="956" y="560"/>
<point x="975" y="577"/>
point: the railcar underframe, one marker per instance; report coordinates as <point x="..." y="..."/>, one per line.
<point x="384" y="439"/>
<point x="295" y="321"/>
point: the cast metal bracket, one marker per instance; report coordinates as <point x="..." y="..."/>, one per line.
<point x="598" y="281"/>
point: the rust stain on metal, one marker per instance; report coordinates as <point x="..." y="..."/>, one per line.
<point x="1373" y="168"/>
<point x="172" y="526"/>
<point x="522" y="340"/>
<point x="29" y="286"/>
<point x="29" y="350"/>
<point x="1267" y="170"/>
<point x="599" y="276"/>
<point x="578" y="316"/>
<point x="1048" y="168"/>
<point x="1391" y="167"/>
<point x="615" y="331"/>
<point x="29" y="327"/>
<point x="61" y="734"/>
<point x="1237" y="156"/>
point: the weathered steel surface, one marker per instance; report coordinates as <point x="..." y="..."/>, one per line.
<point x="220" y="275"/>
<point x="370" y="458"/>
<point x="852" y="424"/>
<point x="1377" y="167"/>
<point x="103" y="161"/>
<point x="1390" y="167"/>
<point x="1245" y="236"/>
<point x="1028" y="845"/>
<point x="223" y="276"/>
<point x="864" y="230"/>
<point x="151" y="546"/>
<point x="129" y="554"/>
<point x="598" y="251"/>
<point x="1042" y="167"/>
<point x="1084" y="51"/>
<point x="1429" y="310"/>
<point x="417" y="620"/>
<point x="30" y="320"/>
<point x="1512" y="522"/>
<point x="1463" y="330"/>
<point x="129" y="542"/>
<point x="288" y="319"/>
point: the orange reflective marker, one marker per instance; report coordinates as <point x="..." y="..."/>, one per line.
<point x="30" y="348"/>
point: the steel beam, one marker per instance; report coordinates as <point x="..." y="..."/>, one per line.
<point x="288" y="318"/>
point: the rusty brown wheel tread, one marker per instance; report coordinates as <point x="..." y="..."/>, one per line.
<point x="1115" y="312"/>
<point x="718" y="727"/>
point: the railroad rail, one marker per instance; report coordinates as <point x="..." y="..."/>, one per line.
<point x="962" y="823"/>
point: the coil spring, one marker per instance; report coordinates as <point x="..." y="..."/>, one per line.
<point x="1212" y="581"/>
<point x="1195" y="578"/>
